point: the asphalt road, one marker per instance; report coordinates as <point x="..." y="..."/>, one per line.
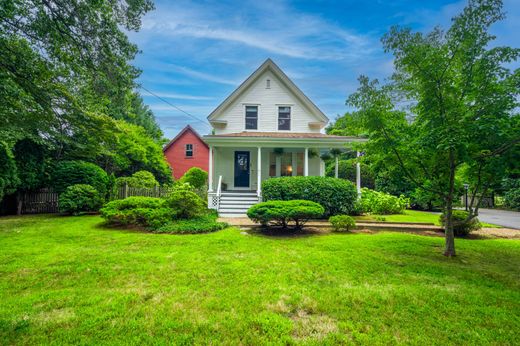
<point x="510" y="219"/>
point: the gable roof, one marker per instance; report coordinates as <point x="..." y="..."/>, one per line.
<point x="277" y="72"/>
<point x="187" y="128"/>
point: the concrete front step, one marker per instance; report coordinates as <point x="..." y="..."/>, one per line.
<point x="239" y="199"/>
<point x="236" y="203"/>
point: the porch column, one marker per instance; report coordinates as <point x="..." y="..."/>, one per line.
<point x="210" y="169"/>
<point x="336" y="169"/>
<point x="358" y="176"/>
<point x="306" y="162"/>
<point x="259" y="172"/>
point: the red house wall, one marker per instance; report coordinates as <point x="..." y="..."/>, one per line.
<point x="176" y="154"/>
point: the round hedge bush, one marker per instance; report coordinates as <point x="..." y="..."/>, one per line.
<point x="80" y="198"/>
<point x="336" y="196"/>
<point x="148" y="212"/>
<point x="138" y="179"/>
<point x="196" y="177"/>
<point x="186" y="204"/>
<point x="461" y="227"/>
<point x="67" y="173"/>
<point x="342" y="223"/>
<point x="377" y="202"/>
<point x="280" y="213"/>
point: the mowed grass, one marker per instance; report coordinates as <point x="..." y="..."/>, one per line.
<point x="69" y="280"/>
<point x="412" y="216"/>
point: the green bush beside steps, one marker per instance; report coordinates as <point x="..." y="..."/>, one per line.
<point x="336" y="196"/>
<point x="283" y="213"/>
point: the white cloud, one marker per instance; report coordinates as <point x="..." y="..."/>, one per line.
<point x="275" y="29"/>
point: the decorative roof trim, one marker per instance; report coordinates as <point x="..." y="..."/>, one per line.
<point x="179" y="135"/>
<point x="269" y="65"/>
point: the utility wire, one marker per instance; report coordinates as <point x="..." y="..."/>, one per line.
<point x="174" y="106"/>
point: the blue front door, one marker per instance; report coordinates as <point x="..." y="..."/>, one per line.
<point x="241" y="168"/>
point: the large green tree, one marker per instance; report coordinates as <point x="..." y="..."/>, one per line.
<point x="66" y="83"/>
<point x="460" y="102"/>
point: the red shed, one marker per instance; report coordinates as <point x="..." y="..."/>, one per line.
<point x="186" y="150"/>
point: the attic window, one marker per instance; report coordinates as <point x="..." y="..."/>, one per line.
<point x="189" y="150"/>
<point x="268" y="84"/>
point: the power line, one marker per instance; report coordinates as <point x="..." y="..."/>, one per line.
<point x="174" y="106"/>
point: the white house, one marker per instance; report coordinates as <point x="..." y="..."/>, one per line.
<point x="266" y="128"/>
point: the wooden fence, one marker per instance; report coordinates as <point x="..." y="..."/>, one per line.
<point x="128" y="191"/>
<point x="41" y="201"/>
<point x="46" y="200"/>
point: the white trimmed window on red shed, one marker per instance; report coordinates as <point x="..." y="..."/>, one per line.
<point x="189" y="150"/>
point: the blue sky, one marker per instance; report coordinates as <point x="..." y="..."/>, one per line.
<point x="194" y="54"/>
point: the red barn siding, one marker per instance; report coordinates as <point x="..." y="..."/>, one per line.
<point x="175" y="152"/>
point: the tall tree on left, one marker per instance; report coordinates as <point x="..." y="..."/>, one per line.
<point x="64" y="69"/>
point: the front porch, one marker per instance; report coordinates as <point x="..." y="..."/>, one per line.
<point x="239" y="164"/>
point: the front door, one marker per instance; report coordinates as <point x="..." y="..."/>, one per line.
<point x="241" y="168"/>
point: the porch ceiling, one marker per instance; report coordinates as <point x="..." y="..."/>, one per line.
<point x="280" y="139"/>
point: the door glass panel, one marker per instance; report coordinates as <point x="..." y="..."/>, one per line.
<point x="286" y="165"/>
<point x="272" y="164"/>
<point x="299" y="163"/>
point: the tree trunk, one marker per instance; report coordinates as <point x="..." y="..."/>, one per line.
<point x="449" y="250"/>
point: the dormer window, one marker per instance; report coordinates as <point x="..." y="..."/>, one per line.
<point x="268" y="84"/>
<point x="251" y="117"/>
<point x="189" y="150"/>
<point x="284" y="118"/>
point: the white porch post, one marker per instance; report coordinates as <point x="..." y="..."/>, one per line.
<point x="336" y="167"/>
<point x="322" y="168"/>
<point x="259" y="172"/>
<point x="358" y="176"/>
<point x="306" y="162"/>
<point x="210" y="169"/>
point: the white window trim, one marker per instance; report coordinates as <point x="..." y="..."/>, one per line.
<point x="290" y="117"/>
<point x="186" y="150"/>
<point x="257" y="105"/>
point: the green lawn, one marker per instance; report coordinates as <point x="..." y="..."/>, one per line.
<point x="412" y="216"/>
<point x="69" y="280"/>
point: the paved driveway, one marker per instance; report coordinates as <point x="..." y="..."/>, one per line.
<point x="503" y="218"/>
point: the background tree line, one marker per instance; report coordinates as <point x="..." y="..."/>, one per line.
<point x="67" y="89"/>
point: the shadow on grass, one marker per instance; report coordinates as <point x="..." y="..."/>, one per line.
<point x="291" y="232"/>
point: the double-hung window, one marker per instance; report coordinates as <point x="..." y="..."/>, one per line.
<point x="284" y="118"/>
<point x="189" y="150"/>
<point x="251" y="117"/>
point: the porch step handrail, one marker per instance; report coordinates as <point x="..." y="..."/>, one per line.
<point x="219" y="191"/>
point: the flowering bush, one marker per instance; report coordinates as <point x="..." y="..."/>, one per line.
<point x="376" y="202"/>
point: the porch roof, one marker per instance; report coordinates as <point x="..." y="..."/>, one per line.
<point x="277" y="139"/>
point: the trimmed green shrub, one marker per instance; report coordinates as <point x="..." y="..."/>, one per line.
<point x="186" y="204"/>
<point x="512" y="193"/>
<point x="512" y="199"/>
<point x="342" y="223"/>
<point x="67" y="173"/>
<point x="202" y="224"/>
<point x="280" y="213"/>
<point x="138" y="179"/>
<point x="347" y="170"/>
<point x="196" y="177"/>
<point x="80" y="198"/>
<point x="461" y="226"/>
<point x="376" y="202"/>
<point x="336" y="196"/>
<point x="148" y="212"/>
